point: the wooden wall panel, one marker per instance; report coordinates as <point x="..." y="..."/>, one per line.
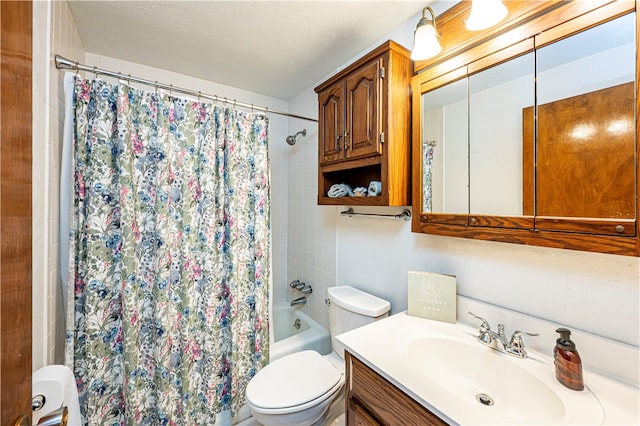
<point x="15" y="210"/>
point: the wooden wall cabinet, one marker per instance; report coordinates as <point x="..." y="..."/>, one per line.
<point x="372" y="400"/>
<point x="365" y="128"/>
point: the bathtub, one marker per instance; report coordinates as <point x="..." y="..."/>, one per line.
<point x="295" y="331"/>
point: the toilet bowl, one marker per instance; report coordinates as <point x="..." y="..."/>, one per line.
<point x="298" y="389"/>
<point x="52" y="388"/>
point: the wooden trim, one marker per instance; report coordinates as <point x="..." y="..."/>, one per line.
<point x="15" y="210"/>
<point x="389" y="45"/>
<point x="525" y="19"/>
<point x="619" y="227"/>
<point x="455" y="38"/>
<point x="513" y="51"/>
<point x="445" y="218"/>
<point x="561" y="240"/>
<point x="443" y="80"/>
<point x="588" y="20"/>
<point x="637" y="3"/>
<point x="508" y="222"/>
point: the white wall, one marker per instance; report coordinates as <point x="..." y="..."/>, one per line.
<point x="54" y="31"/>
<point x="593" y="292"/>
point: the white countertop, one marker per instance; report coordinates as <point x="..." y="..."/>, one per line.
<point x="382" y="346"/>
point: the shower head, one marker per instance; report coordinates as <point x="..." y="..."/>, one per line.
<point x="291" y="139"/>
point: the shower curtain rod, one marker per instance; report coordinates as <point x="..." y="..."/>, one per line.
<point x="64" y="63"/>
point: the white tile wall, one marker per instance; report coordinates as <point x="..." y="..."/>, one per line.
<point x="54" y="32"/>
<point x="311" y="243"/>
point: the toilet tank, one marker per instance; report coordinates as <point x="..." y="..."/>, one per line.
<point x="352" y="308"/>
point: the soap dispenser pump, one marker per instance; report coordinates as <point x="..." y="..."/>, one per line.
<point x="567" y="361"/>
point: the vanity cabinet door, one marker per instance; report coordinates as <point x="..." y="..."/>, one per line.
<point x="358" y="416"/>
<point x="373" y="400"/>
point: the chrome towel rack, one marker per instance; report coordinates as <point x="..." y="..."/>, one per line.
<point x="405" y="215"/>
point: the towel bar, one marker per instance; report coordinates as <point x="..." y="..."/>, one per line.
<point x="405" y="215"/>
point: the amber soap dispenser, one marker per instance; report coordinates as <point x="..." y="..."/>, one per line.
<point x="567" y="361"/>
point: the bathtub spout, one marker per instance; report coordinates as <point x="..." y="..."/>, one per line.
<point x="299" y="301"/>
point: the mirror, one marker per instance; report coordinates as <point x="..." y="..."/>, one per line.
<point x="483" y="153"/>
<point x="496" y="98"/>
<point x="586" y="143"/>
<point x="445" y="149"/>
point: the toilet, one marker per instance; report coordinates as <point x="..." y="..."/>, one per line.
<point x="298" y="389"/>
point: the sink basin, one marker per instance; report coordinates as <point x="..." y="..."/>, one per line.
<point x="490" y="387"/>
<point x="481" y="375"/>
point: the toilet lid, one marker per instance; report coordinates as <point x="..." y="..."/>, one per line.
<point x="292" y="380"/>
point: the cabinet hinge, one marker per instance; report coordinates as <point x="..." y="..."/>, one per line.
<point x="382" y="72"/>
<point x="381" y="137"/>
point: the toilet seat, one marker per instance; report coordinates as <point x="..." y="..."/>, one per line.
<point x="293" y="383"/>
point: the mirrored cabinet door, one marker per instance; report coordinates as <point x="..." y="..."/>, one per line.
<point x="445" y="149"/>
<point x="586" y="140"/>
<point x="497" y="127"/>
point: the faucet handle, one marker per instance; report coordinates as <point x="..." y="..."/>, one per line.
<point x="485" y="325"/>
<point x="516" y="344"/>
<point x="293" y="283"/>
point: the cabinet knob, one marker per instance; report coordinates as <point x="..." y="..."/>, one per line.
<point x="620" y="228"/>
<point x="473" y="220"/>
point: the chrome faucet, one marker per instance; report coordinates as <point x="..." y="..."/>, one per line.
<point x="301" y="286"/>
<point x="299" y="301"/>
<point x="498" y="341"/>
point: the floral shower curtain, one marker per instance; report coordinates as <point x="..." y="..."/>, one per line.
<point x="169" y="256"/>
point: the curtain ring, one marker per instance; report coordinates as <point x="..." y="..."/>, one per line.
<point x="225" y="101"/>
<point x="95" y="72"/>
<point x="76" y="67"/>
<point x="155" y="84"/>
<point x="171" y="89"/>
<point x="129" y="79"/>
<point x="199" y="94"/>
<point x="235" y="103"/>
<point x="251" y="108"/>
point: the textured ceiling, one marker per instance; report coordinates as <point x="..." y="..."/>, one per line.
<point x="275" y="48"/>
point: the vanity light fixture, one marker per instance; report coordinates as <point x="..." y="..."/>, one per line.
<point x="485" y="14"/>
<point x="425" y="37"/>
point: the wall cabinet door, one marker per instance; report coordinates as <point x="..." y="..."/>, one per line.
<point x="331" y="129"/>
<point x="363" y="110"/>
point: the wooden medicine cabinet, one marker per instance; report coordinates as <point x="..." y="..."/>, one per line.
<point x="527" y="133"/>
<point x="364" y="128"/>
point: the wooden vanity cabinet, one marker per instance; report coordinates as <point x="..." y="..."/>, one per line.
<point x="364" y="131"/>
<point x="372" y="400"/>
